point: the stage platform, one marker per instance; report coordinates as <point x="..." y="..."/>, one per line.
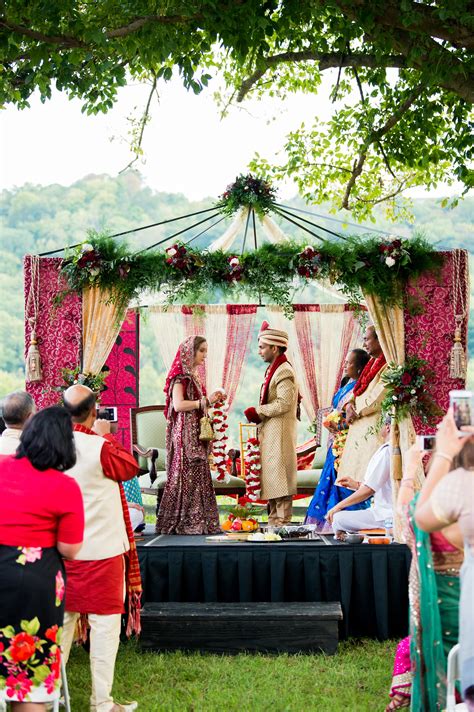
<point x="370" y="581"/>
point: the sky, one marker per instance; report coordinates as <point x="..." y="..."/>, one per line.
<point x="188" y="148"/>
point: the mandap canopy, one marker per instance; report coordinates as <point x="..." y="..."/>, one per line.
<point x="77" y="308"/>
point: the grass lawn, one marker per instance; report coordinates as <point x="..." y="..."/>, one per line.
<point x="357" y="679"/>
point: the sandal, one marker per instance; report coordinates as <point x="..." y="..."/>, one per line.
<point x="398" y="702"/>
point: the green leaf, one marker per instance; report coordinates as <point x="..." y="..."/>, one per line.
<point x="31" y="627"/>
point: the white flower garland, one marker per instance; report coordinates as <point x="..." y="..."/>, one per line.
<point x="219" y="444"/>
<point x="253" y="469"/>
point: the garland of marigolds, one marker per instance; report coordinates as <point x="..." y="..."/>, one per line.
<point x="375" y="266"/>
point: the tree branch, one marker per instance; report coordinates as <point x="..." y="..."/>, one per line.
<point x="424" y="21"/>
<point x="374" y="137"/>
<point x="325" y="60"/>
<point x="62" y="40"/>
<point x="143" y="123"/>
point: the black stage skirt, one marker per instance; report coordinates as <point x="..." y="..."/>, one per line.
<point x="32" y="583"/>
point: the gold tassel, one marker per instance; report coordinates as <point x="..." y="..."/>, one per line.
<point x="457" y="361"/>
<point x="33" y="361"/>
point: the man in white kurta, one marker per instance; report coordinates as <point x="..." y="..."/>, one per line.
<point x="17" y="409"/>
<point x="276" y="416"/>
<point x="377" y="484"/>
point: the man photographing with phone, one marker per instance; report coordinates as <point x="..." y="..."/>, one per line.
<point x="107" y="566"/>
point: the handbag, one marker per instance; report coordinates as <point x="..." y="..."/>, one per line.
<point x="206" y="432"/>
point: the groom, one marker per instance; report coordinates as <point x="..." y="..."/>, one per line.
<point x="276" y="416"/>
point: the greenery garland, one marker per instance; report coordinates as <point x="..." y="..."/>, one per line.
<point x="381" y="267"/>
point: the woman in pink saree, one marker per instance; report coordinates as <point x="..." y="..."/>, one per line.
<point x="188" y="505"/>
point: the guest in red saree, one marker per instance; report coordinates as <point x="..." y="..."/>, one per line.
<point x="188" y="505"/>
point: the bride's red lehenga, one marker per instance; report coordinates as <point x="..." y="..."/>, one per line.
<point x="188" y="505"/>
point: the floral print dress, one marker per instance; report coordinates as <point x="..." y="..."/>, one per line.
<point x="32" y="585"/>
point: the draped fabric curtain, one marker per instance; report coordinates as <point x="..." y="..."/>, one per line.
<point x="101" y="324"/>
<point x="389" y="324"/>
<point x="168" y="328"/>
<point x="320" y="337"/>
<point x="227" y="329"/>
<point x="240" y="324"/>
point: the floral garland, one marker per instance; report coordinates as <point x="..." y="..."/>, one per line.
<point x="357" y="265"/>
<point x="252" y="469"/>
<point x="219" y="444"/>
<point x="408" y="392"/>
<point x="337" y="418"/>
<point x="247" y="191"/>
<point x="368" y="374"/>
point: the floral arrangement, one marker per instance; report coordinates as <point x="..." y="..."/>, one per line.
<point x="219" y="444"/>
<point x="408" y="392"/>
<point x="308" y="263"/>
<point x="72" y="376"/>
<point x="236" y="270"/>
<point x="178" y="257"/>
<point x="253" y="469"/>
<point x="247" y="191"/>
<point x="186" y="274"/>
<point x="393" y="252"/>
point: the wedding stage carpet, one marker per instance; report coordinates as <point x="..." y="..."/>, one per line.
<point x="370" y="581"/>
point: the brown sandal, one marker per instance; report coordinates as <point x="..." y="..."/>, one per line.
<point x="398" y="702"/>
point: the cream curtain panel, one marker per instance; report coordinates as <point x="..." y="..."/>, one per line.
<point x="318" y="344"/>
<point x="389" y="324"/>
<point x="101" y="324"/>
<point x="168" y="328"/>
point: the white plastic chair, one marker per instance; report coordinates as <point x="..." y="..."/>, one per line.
<point x="453" y="675"/>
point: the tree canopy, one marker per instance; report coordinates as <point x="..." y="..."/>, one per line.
<point x="402" y="98"/>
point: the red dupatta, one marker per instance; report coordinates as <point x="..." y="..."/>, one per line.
<point x="268" y="377"/>
<point x="183" y="365"/>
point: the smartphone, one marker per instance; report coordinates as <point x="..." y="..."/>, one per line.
<point x="108" y="413"/>
<point x="462" y="403"/>
<point x="427" y="443"/>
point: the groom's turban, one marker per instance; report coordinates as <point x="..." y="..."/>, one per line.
<point x="272" y="337"/>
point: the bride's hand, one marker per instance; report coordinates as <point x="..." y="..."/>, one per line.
<point x="218" y="396"/>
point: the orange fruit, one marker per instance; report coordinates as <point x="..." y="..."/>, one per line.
<point x="247" y="526"/>
<point x="226" y="525"/>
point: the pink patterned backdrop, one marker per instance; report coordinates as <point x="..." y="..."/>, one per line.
<point x="430" y="335"/>
<point x="123" y="364"/>
<point x="58" y="330"/>
<point x="59" y="335"/>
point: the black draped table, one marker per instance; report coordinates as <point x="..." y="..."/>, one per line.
<point x="370" y="581"/>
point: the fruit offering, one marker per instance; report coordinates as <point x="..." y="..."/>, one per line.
<point x="240" y="518"/>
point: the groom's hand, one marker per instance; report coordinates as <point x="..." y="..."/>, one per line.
<point x="252" y="416"/>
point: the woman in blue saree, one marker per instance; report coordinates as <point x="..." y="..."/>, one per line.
<point x="327" y="493"/>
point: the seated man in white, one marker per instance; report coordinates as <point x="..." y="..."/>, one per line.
<point x="376" y="484"/>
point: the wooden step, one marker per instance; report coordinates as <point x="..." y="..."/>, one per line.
<point x="236" y="627"/>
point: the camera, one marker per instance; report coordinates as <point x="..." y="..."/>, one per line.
<point x="462" y="403"/>
<point x="427" y="442"/>
<point x="107" y="413"/>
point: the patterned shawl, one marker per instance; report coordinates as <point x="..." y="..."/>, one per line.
<point x="183" y="365"/>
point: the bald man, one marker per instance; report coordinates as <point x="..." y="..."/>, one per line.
<point x="96" y="578"/>
<point x="276" y="416"/>
<point x="17" y="409"/>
